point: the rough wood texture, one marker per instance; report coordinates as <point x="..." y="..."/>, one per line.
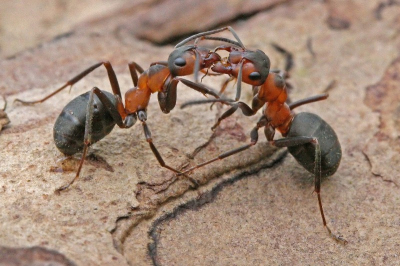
<point x="255" y="208"/>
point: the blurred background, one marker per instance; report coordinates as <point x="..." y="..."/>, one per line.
<point x="25" y="24"/>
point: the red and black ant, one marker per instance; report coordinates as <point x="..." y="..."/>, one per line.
<point x="91" y="116"/>
<point x="310" y="139"/>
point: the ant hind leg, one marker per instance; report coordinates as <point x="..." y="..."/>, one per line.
<point x="295" y="141"/>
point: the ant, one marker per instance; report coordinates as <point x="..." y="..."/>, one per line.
<point x="310" y="139"/>
<point x="92" y="115"/>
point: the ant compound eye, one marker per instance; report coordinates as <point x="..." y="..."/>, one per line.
<point x="254" y="76"/>
<point x="180" y="62"/>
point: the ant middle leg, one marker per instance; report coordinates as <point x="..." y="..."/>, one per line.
<point x="307" y="100"/>
<point x="246" y="110"/>
<point x="253" y="141"/>
<point x="143" y="117"/>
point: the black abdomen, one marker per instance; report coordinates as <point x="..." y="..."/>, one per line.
<point x="69" y="128"/>
<point x="311" y="125"/>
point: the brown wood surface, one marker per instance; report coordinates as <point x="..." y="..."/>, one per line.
<point x="255" y="208"/>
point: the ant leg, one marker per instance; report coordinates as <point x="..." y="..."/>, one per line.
<point x="239" y="82"/>
<point x="142" y="117"/>
<point x="203" y="101"/>
<point x="225" y="84"/>
<point x="246" y="110"/>
<point x="311" y="99"/>
<point x="133" y="69"/>
<point x="167" y="99"/>
<point x="199" y="87"/>
<point x="120" y="117"/>
<point x="253" y="141"/>
<point x="223" y="87"/>
<point x="295" y="141"/>
<point x="111" y="75"/>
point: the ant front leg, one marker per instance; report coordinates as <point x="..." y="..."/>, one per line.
<point x="143" y="117"/>
<point x="298" y="141"/>
<point x="198" y="87"/>
<point x="246" y="110"/>
<point x="167" y="98"/>
<point x="135" y="68"/>
<point x="213" y="101"/>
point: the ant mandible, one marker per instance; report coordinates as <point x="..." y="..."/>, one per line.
<point x="310" y="139"/>
<point x="251" y="67"/>
<point x="87" y="119"/>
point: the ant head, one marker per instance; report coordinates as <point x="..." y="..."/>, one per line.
<point x="181" y="61"/>
<point x="256" y="67"/>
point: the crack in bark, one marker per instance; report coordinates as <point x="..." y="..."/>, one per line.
<point x="377" y="174"/>
<point x="383" y="5"/>
<point x="202" y="146"/>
